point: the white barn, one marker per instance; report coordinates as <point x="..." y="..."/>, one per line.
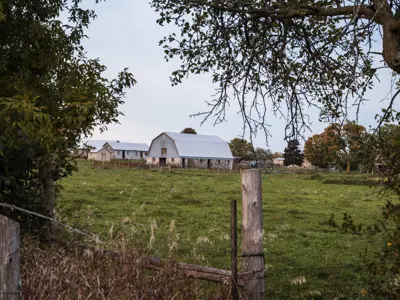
<point x="190" y="150"/>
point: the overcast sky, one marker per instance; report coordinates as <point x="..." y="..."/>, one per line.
<point x="126" y="34"/>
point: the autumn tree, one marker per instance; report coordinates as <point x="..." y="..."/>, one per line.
<point x="242" y="148"/>
<point x="316" y="150"/>
<point x="292" y="154"/>
<point x="51" y="97"/>
<point x="347" y="142"/>
<point x="189" y="130"/>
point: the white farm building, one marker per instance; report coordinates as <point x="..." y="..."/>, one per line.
<point x="190" y="150"/>
<point x="107" y="150"/>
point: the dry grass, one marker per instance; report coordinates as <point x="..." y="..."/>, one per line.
<point x="71" y="272"/>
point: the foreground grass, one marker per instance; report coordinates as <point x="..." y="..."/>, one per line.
<point x="185" y="215"/>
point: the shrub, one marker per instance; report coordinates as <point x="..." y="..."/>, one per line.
<point x="354" y="181"/>
<point x="315" y="176"/>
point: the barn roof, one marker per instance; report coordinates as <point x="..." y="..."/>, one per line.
<point x="129" y="146"/>
<point x="97" y="145"/>
<point x="200" y="146"/>
<point x="116" y="145"/>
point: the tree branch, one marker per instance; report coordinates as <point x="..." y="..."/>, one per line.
<point x="283" y="10"/>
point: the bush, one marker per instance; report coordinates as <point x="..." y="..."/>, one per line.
<point x="315" y="176"/>
<point x="354" y="181"/>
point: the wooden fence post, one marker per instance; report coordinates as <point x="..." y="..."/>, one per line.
<point x="252" y="221"/>
<point x="234" y="290"/>
<point x="10" y="281"/>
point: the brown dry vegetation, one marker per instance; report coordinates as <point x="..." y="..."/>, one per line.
<point x="71" y="272"/>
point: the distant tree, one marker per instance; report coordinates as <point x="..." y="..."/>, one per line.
<point x="316" y="150"/>
<point x="189" y="130"/>
<point x="242" y="148"/>
<point x="322" y="150"/>
<point x="277" y="155"/>
<point x="383" y="148"/>
<point x="263" y="154"/>
<point x="347" y="141"/>
<point x="292" y="154"/>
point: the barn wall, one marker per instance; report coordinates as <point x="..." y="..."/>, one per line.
<point x="160" y="142"/>
<point x="203" y="163"/>
<point x="176" y="161"/>
<point x="152" y="161"/>
<point x="129" y="154"/>
<point x="221" y="163"/>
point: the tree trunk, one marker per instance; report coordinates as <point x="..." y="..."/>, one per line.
<point x="391" y="34"/>
<point x="47" y="205"/>
<point x="348" y="166"/>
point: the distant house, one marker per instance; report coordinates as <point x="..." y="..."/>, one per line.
<point x="278" y="161"/>
<point x="118" y="150"/>
<point x="190" y="150"/>
<point x="124" y="150"/>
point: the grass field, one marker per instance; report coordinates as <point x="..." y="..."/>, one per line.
<point x="185" y="215"/>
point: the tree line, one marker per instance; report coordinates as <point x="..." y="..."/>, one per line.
<point x="350" y="146"/>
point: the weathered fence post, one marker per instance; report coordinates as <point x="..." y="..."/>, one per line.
<point x="252" y="221"/>
<point x="10" y="281"/>
<point x="234" y="290"/>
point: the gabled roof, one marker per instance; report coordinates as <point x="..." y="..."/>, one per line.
<point x="129" y="146"/>
<point x="98" y="144"/>
<point x="200" y="146"/>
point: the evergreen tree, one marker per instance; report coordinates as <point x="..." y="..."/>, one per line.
<point x="292" y="154"/>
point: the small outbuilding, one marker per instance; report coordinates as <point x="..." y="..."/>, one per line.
<point x="190" y="150"/>
<point x="101" y="155"/>
<point x="279" y="161"/>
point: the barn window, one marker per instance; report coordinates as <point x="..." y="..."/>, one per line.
<point x="172" y="159"/>
<point x="137" y="153"/>
<point x="163" y="151"/>
<point x="219" y="161"/>
<point x="154" y="159"/>
<point x="201" y="160"/>
<point x="146" y="153"/>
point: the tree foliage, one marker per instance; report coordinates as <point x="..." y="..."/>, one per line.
<point x="262" y="154"/>
<point x="256" y="50"/>
<point x="189" y="130"/>
<point x="316" y="150"/>
<point x="292" y="154"/>
<point x="338" y="145"/>
<point x="242" y="148"/>
<point x="51" y="96"/>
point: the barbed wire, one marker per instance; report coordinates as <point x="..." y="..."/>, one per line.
<point x="91" y="236"/>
